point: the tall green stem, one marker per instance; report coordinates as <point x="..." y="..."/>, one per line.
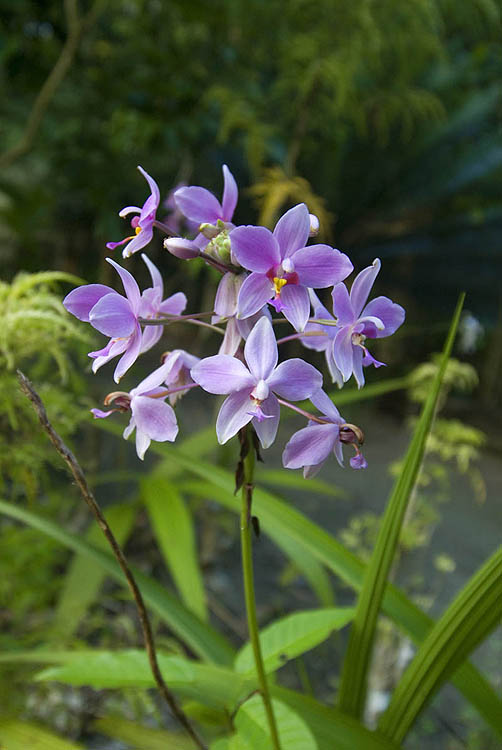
<point x="247" y="570"/>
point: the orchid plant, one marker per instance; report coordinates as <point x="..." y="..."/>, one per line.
<point x="267" y="278"/>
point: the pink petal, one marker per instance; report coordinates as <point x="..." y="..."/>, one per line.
<point x="260" y="351"/>
<point x="112" y="315"/>
<point x="138" y="241"/>
<point x="155" y="418"/>
<point x="80" y="301"/>
<point x="131" y="287"/>
<point x="254" y="293"/>
<point x="222" y="374"/>
<point x="255" y="248"/>
<point x="173" y="305"/>
<point x="292" y="230"/>
<point x="155" y="274"/>
<point x="320" y="266"/>
<point x="198" y="204"/>
<point x="130" y="355"/>
<point x="230" y="194"/>
<point x="153" y="186"/>
<point x="151" y="336"/>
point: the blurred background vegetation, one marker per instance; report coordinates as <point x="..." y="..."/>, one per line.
<point x="385" y="117"/>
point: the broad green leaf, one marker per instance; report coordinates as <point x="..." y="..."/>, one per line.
<point x="293" y="480"/>
<point x="199" y="636"/>
<point x="84" y="577"/>
<point x="142" y="738"/>
<point x="251" y="723"/>
<point x="23" y="735"/>
<point x="280" y="520"/>
<point x="315" y="573"/>
<point x="215" y="686"/>
<point x="474" y="613"/>
<point x="352" y="696"/>
<point x="291" y="636"/>
<point x="332" y="729"/>
<point x="173" y="528"/>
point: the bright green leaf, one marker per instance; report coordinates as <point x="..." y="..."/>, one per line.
<point x="142" y="738"/>
<point x="23" y="735"/>
<point x="251" y="722"/>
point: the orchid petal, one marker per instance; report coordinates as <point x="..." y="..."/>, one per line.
<point x="260" y="351"/>
<point x="225" y="302"/>
<point x="336" y="375"/>
<point x="112" y="315"/>
<point x="295" y="380"/>
<point x="173" y="305"/>
<point x="255" y="248"/>
<point x="342" y="306"/>
<point x="222" y="374"/>
<point x="267" y="428"/>
<point x="151" y="336"/>
<point x="343" y="352"/>
<point x="130" y="285"/>
<point x="100" y="414"/>
<point x="292" y="230"/>
<point x="198" y="204"/>
<point x="320" y="311"/>
<point x="254" y="293"/>
<point x="142" y="444"/>
<point x="391" y="314"/>
<point x="235" y="412"/>
<point x="155" y="274"/>
<point x="155" y="418"/>
<point x="230" y="194"/>
<point x="156" y="378"/>
<point x="130" y="355"/>
<point x="357" y="365"/>
<point x="310" y="446"/>
<point x="129" y="210"/>
<point x="322" y="401"/>
<point x="231" y="339"/>
<point x="362" y="286"/>
<point x="111" y="350"/>
<point x="153" y="186"/>
<point x="79" y="302"/>
<point x="140" y="240"/>
<point x="295" y="305"/>
<point x="321" y="265"/>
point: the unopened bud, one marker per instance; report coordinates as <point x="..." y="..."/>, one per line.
<point x="181" y="248"/>
<point x="314" y="225"/>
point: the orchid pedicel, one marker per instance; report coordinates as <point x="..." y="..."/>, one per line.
<point x="268" y="277"/>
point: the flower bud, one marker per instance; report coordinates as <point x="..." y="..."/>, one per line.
<point x="314" y="225"/>
<point x="181" y="248"/>
<point x="209" y="231"/>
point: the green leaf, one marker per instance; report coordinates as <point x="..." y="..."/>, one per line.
<point x="173" y="528"/>
<point x="23" y="735"/>
<point x="199" y="636"/>
<point x="291" y="636"/>
<point x="215" y="686"/>
<point x="353" y="686"/>
<point x="142" y="738"/>
<point x="306" y="564"/>
<point x="332" y="728"/>
<point x="292" y="480"/>
<point x="474" y="613"/>
<point x="84" y="577"/>
<point x="252" y="725"/>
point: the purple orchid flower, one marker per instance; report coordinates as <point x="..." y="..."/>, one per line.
<point x="225" y="308"/>
<point x="282" y="268"/>
<point x="152" y="418"/>
<point x="153" y="306"/>
<point x="252" y="389"/>
<point x="181" y="363"/>
<point x="356" y="321"/>
<point x="113" y="315"/>
<point x="142" y="224"/>
<point x="311" y="446"/>
<point x="202" y="207"/>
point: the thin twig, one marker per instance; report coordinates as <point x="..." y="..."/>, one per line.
<point x="87" y="495"/>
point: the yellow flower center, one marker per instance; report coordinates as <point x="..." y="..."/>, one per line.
<point x="137" y="230"/>
<point x="279" y="283"/>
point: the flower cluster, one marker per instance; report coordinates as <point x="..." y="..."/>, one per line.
<point x="263" y="273"/>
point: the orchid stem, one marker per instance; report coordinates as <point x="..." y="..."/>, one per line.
<point x="248" y="575"/>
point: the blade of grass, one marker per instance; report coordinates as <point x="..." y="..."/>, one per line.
<point x="353" y="686"/>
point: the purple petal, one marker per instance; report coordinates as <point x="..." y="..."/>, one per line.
<point x="230" y="194"/>
<point x="231" y="339"/>
<point x="111" y="350"/>
<point x="391" y="314"/>
<point x="131" y="287"/>
<point x="155" y="418"/>
<point x="114" y="245"/>
<point x="321" y="265"/>
<point x="198" y="204"/>
<point x="222" y="374"/>
<point x="296" y="305"/>
<point x="319" y="310"/>
<point x="225" y="302"/>
<point x="295" y="380"/>
<point x="139" y="241"/>
<point x="130" y="355"/>
<point x="318" y="343"/>
<point x="343" y="352"/>
<point x="112" y="315"/>
<point x="80" y="301"/>
<point x="129" y="210"/>
<point x="155" y="274"/>
<point x="99" y="414"/>
<point x="255" y="292"/>
<point x="362" y="286"/>
<point x="336" y="375"/>
<point x="322" y="401"/>
<point x="267" y="428"/>
<point x="358" y="462"/>
<point x="142" y="444"/>
<point x="234" y="414"/>
<point x="181" y="248"/>
<point x="156" y="378"/>
<point x="357" y="365"/>
<point x="173" y="305"/>
<point x="255" y="248"/>
<point x="310" y="446"/>
<point x="153" y="186"/>
<point x="292" y="230"/>
<point x="151" y="336"/>
<point x="342" y="306"/>
<point x="260" y="351"/>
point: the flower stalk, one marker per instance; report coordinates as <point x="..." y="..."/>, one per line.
<point x="248" y="576"/>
